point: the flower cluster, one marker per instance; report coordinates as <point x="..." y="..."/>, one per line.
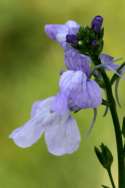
<point x="77" y="88"/>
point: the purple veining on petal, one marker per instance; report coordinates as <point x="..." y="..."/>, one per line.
<point x="76" y="61"/>
<point x="80" y="92"/>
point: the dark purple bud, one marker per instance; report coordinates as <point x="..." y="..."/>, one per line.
<point x="96" y="23"/>
<point x="72" y="39"/>
<point x="94" y="43"/>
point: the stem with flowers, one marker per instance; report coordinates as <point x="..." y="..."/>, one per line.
<point x="117" y="127"/>
<point x="84" y="59"/>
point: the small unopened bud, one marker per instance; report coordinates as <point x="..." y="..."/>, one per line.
<point x="94" y="43"/>
<point x="72" y="39"/>
<point x="104" y="155"/>
<point x="96" y="23"/>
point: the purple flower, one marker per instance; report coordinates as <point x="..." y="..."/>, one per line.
<point x="61" y="132"/>
<point x="62" y="33"/>
<point x="79" y="91"/>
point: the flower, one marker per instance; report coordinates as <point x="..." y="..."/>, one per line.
<point x="79" y="91"/>
<point x="65" y="34"/>
<point x="61" y="132"/>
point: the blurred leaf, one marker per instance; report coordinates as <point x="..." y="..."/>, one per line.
<point x="123" y="127"/>
<point x="104" y="186"/>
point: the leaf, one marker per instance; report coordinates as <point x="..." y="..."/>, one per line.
<point x="123" y="127"/>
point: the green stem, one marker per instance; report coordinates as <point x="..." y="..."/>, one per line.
<point x="111" y="178"/>
<point x="119" y="143"/>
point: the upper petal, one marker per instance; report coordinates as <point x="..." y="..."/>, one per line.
<point x="58" y="32"/>
<point x="63" y="138"/>
<point x="73" y="27"/>
<point x="80" y="92"/>
<point x="70" y="80"/>
<point x="76" y="61"/>
<point x="87" y="96"/>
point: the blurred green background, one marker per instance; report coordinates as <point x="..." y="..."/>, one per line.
<point x="29" y="70"/>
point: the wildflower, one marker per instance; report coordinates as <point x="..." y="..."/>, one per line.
<point x="65" y="34"/>
<point x="61" y="132"/>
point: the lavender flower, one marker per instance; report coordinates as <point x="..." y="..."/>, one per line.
<point x="51" y="116"/>
<point x="74" y="60"/>
<point x="62" y="33"/>
<point x="61" y="132"/>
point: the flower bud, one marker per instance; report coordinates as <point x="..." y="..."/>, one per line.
<point x="104" y="155"/>
<point x="96" y="23"/>
<point x="72" y="39"/>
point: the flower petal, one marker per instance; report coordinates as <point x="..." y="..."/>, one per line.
<point x="80" y="92"/>
<point x="41" y="105"/>
<point x="28" y="134"/>
<point x="64" y="138"/>
<point x="60" y="104"/>
<point x="108" y="62"/>
<point x="70" y="80"/>
<point x="58" y="32"/>
<point x="76" y="61"/>
<point x="73" y="27"/>
<point x="31" y="131"/>
<point x="87" y="96"/>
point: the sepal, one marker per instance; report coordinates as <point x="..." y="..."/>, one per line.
<point x="104" y="155"/>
